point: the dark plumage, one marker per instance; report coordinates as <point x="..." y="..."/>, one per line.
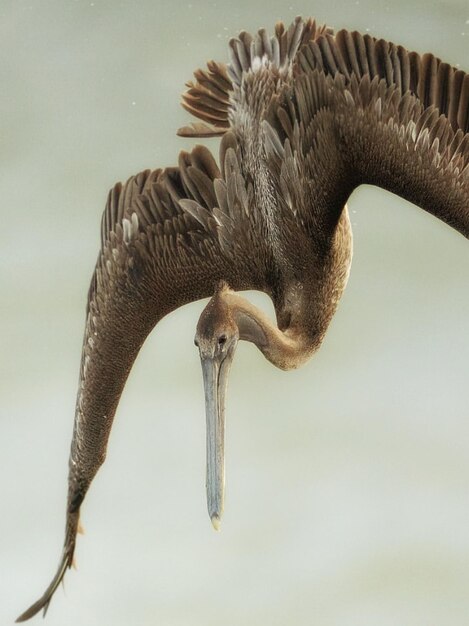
<point x="305" y="117"/>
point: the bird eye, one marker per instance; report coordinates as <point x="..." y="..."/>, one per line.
<point x="196" y="343"/>
<point x="221" y="340"/>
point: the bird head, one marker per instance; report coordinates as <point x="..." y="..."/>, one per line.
<point x="217" y="332"/>
<point x="216" y="337"/>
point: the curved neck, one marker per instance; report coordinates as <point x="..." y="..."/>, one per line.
<point x="286" y="350"/>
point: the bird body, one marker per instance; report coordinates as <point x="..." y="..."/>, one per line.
<point x="305" y="117"/>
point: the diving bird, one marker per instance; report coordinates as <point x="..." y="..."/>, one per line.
<point x="305" y="116"/>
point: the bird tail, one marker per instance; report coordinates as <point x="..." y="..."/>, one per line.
<point x="66" y="562"/>
<point x="210" y="97"/>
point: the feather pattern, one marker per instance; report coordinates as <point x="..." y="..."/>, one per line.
<point x="305" y="117"/>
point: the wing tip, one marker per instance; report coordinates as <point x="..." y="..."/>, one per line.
<point x="66" y="562"/>
<point x="44" y="600"/>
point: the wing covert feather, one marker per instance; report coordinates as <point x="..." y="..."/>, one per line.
<point x="355" y="56"/>
<point x="398" y="120"/>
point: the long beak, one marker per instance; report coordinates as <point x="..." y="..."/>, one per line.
<point x="215" y="382"/>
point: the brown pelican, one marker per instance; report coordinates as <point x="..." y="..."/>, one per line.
<point x="305" y="117"/>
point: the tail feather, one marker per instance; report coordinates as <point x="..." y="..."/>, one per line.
<point x="209" y="97"/>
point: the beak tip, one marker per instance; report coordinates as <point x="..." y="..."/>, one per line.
<point x="215" y="519"/>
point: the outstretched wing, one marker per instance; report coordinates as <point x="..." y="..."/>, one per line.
<point x="155" y="256"/>
<point x="367" y="111"/>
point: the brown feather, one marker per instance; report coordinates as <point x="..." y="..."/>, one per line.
<point x="306" y="117"/>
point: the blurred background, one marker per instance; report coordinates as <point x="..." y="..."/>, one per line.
<point x="347" y="481"/>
